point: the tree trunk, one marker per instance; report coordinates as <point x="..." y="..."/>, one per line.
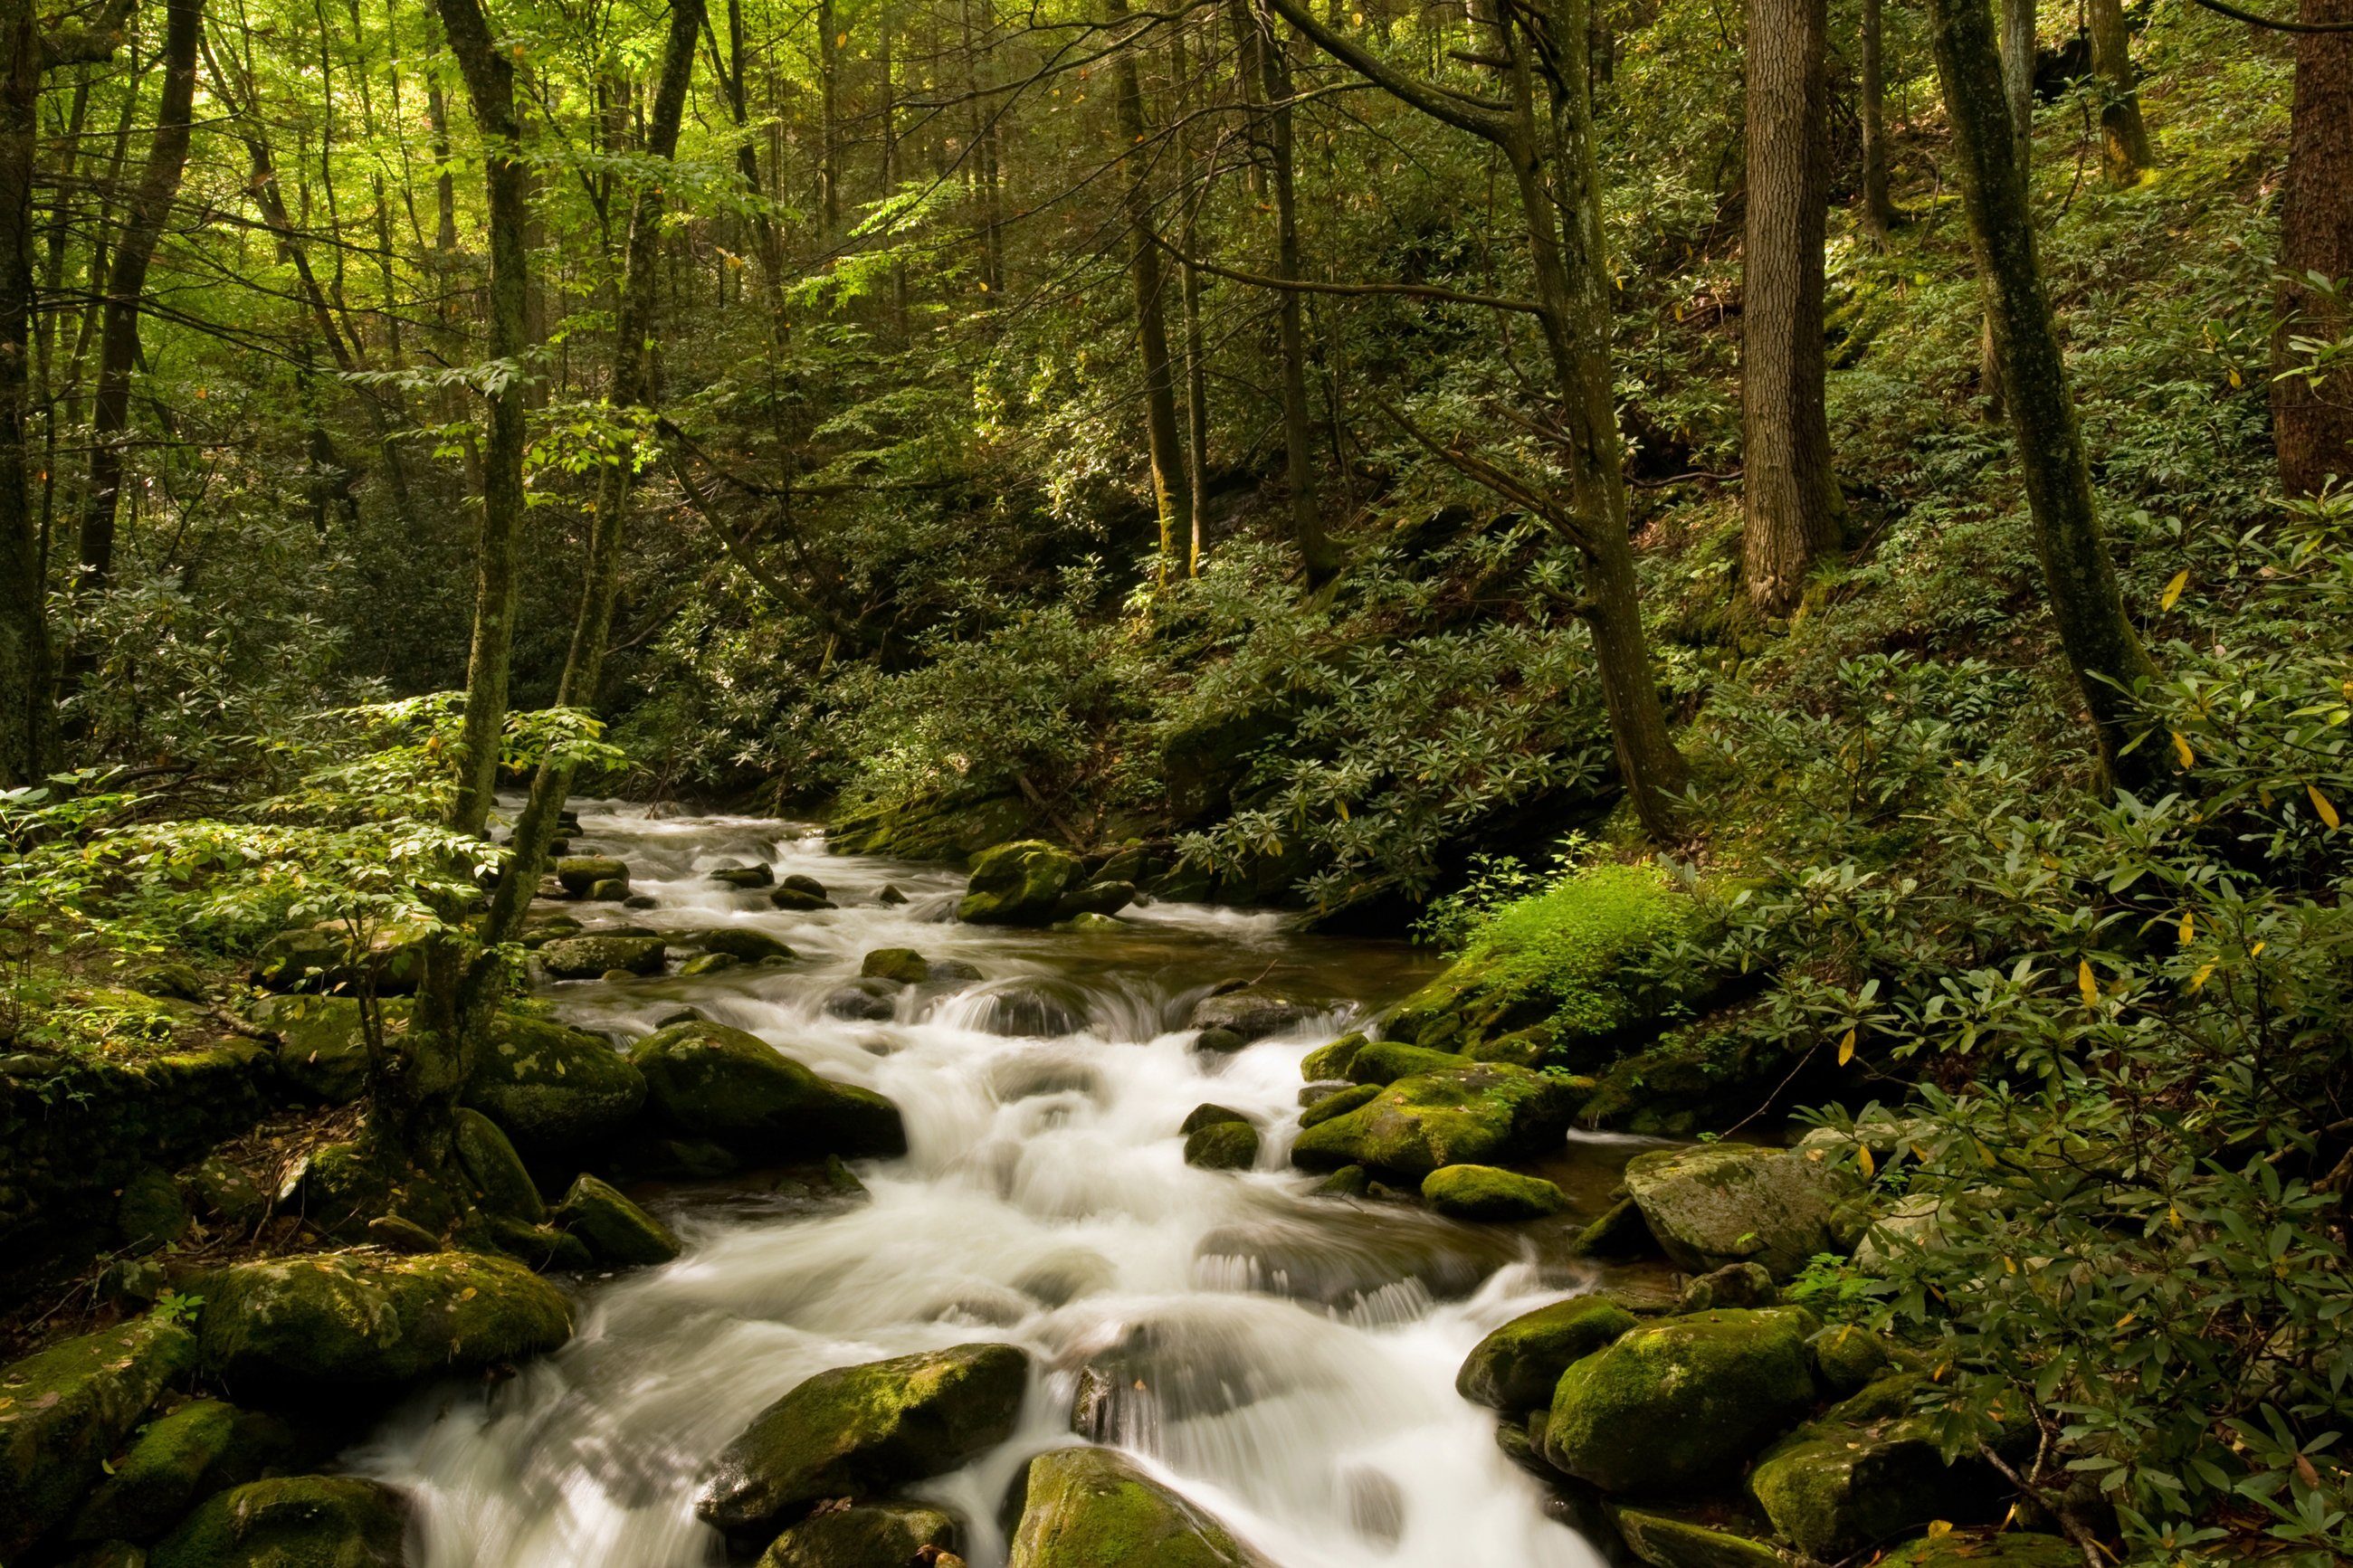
<point x="2017" y="51"/>
<point x="1878" y="205"/>
<point x="27" y="721"/>
<point x="1789" y="491"/>
<point x="2312" y="422"/>
<point x="1171" y="498"/>
<point x="828" y="171"/>
<point x="2124" y="137"/>
<point x="2079" y="577"/>
<point x="1197" y="355"/>
<point x="1299" y="462"/>
<point x="489" y="71"/>
<point x="126" y="286"/>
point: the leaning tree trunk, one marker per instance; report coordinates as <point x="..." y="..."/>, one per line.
<point x="2079" y="576"/>
<point x="1790" y="491"/>
<point x="1878" y="205"/>
<point x="26" y="672"/>
<point x="2312" y="418"/>
<point x="2124" y="136"/>
<point x="1170" y="493"/>
<point x="126" y="286"/>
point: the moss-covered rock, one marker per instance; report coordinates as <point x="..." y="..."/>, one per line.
<point x="742" y="876"/>
<point x="1482" y="1192"/>
<point x="66" y="1410"/>
<point x="1091" y="1508"/>
<point x="1202" y="1116"/>
<point x="500" y="1182"/>
<point x="708" y="963"/>
<point x="1486" y="1114"/>
<point x="1681" y="1403"/>
<point x="556" y="1090"/>
<point x="863" y="1000"/>
<point x="742" y="943"/>
<point x="1252" y="1012"/>
<point x="902" y="965"/>
<point x="857" y="1431"/>
<point x="1985" y="1549"/>
<point x="1332" y="1060"/>
<point x="588" y="957"/>
<point x="290" y="1521"/>
<point x="797" y="900"/>
<point x="199" y="1449"/>
<point x="1734" y="1202"/>
<point x="1099" y="900"/>
<point x="1664" y="1540"/>
<point x="707" y="1080"/>
<point x="1515" y="1367"/>
<point x="1339" y="1102"/>
<point x="579" y="873"/>
<point x="1222" y="1146"/>
<point x="868" y="1536"/>
<point x="1847" y="1359"/>
<point x="151" y="1212"/>
<point x="1386" y="1061"/>
<point x="1708" y="1074"/>
<point x="615" y="1230"/>
<point x="323" y="1051"/>
<point x="1618" y="1232"/>
<point x="1734" y="1285"/>
<point x="364" y="1320"/>
<point x="317" y="958"/>
<point x="1017" y="884"/>
<point x="1868" y="1471"/>
<point x="950" y="826"/>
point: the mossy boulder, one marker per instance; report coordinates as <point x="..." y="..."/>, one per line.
<point x="1682" y="1402"/>
<point x="588" y="957"/>
<point x="1482" y="1192"/>
<point x="1866" y="1472"/>
<point x="1339" y="1102"/>
<point x="1985" y="1549"/>
<point x="902" y="965"/>
<point x="345" y="1320"/>
<point x="151" y="1212"/>
<point x="1664" y="1540"/>
<point x="742" y="943"/>
<point x="708" y="963"/>
<point x="1098" y="899"/>
<point x="1222" y="1146"/>
<point x="1618" y="1231"/>
<point x="199" y="1449"/>
<point x="1484" y="1113"/>
<point x="316" y="958"/>
<point x="1091" y="1508"/>
<point x="615" y="1230"/>
<point x="1202" y="1116"/>
<point x="577" y="874"/>
<point x="1386" y="1061"/>
<point x="290" y="1521"/>
<point x="64" y="1412"/>
<point x="1332" y="1060"/>
<point x="1734" y="1202"/>
<point x="797" y="900"/>
<point x="323" y="1051"/>
<point x="1711" y="1073"/>
<point x="1252" y="1012"/>
<point x="709" y="1081"/>
<point x="857" y="1431"/>
<point x="1018" y="884"/>
<point x="556" y="1090"/>
<point x="868" y="1535"/>
<point x="742" y="875"/>
<point x="1515" y="1367"/>
<point x="500" y="1182"/>
<point x="1848" y="1359"/>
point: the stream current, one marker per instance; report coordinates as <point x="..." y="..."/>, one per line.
<point x="1286" y="1361"/>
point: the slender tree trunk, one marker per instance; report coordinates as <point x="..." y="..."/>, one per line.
<point x="27" y="724"/>
<point x="126" y="286"/>
<point x="1789" y="491"/>
<point x="2312" y="421"/>
<point x="2079" y="576"/>
<point x="1196" y="356"/>
<point x="1878" y="205"/>
<point x="2124" y="136"/>
<point x="828" y="86"/>
<point x="1298" y="439"/>
<point x="1170" y="494"/>
<point x="2016" y="51"/>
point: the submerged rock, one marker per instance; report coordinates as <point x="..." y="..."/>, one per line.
<point x="1041" y="1009"/>
<point x="1681" y="1403"/>
<point x="742" y="875"/>
<point x="345" y="1320"/>
<point x="707" y="1080"/>
<point x="863" y="1001"/>
<point x="868" y="1536"/>
<point x="856" y="1431"/>
<point x="1091" y="1508"/>
<point x="554" y="1090"/>
<point x="1484" y="1193"/>
<point x="1483" y="1113"/>
<point x="292" y="1521"/>
<point x="742" y="943"/>
<point x="1515" y="1367"/>
<point x="1019" y="884"/>
<point x="65" y="1410"/>
<point x="1734" y="1202"/>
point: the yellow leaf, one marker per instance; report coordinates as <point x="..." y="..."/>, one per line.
<point x="1940" y="1528"/>
<point x="2188" y="928"/>
<point x="2087" y="982"/>
<point x="2256" y="951"/>
<point x="839" y="39"/>
<point x="2236" y="382"/>
<point x="2205" y="972"/>
<point x="1846" y="1048"/>
<point x="2009" y="1264"/>
<point x="1343" y="806"/>
<point x="2320" y="803"/>
<point x="2173" y="1214"/>
<point x="2173" y="589"/>
<point x="1863" y="1158"/>
<point x="2181" y="749"/>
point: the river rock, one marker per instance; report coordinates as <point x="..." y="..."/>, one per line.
<point x="1386" y="1061"/>
<point x="1734" y="1202"/>
<point x="615" y="1230"/>
<point x="1664" y="1540"/>
<point x="1017" y="884"/>
<point x="743" y="943"/>
<point x="1515" y="1367"/>
<point x="1484" y="1193"/>
<point x="797" y="900"/>
<point x="1098" y="897"/>
<point x="323" y="1051"/>
<point x="331" y="1320"/>
<point x="903" y="965"/>
<point x="856" y="1431"/>
<point x="1985" y="1549"/>
<point x="1682" y="1402"/>
<point x="1848" y="1359"/>
<point x="868" y="1535"/>
<point x="1222" y="1146"/>
<point x="1338" y="1102"/>
<point x="1866" y="1471"/>
<point x="589" y="957"/>
<point x="708" y="963"/>
<point x="1253" y="1012"/>
<point x="707" y="1080"/>
<point x="579" y="873"/>
<point x="863" y="1001"/>
<point x="1618" y="1232"/>
<point x="496" y="1171"/>
<point x="554" y="1090"/>
<point x="64" y="1412"/>
<point x="1040" y="1009"/>
<point x="1091" y="1508"/>
<point x="1734" y="1285"/>
<point x="742" y="875"/>
<point x="150" y="1212"/>
<point x="1482" y="1113"/>
<point x="292" y="1521"/>
<point x="196" y="1450"/>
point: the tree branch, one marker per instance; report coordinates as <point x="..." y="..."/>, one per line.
<point x="1306" y="286"/>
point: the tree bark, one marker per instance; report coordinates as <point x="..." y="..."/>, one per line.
<point x="27" y="722"/>
<point x="1878" y="205"/>
<point x="2312" y="422"/>
<point x="2124" y="137"/>
<point x="2079" y="577"/>
<point x="126" y="286"/>
<point x="1197" y="355"/>
<point x="1789" y="491"/>
<point x="2016" y="51"/>
<point x="1172" y="498"/>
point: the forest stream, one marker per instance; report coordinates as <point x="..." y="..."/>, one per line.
<point x="1284" y="1360"/>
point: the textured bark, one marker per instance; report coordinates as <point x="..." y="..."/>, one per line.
<point x="126" y="286"/>
<point x="2102" y="648"/>
<point x="1878" y="205"/>
<point x="27" y="664"/>
<point x="1790" y="491"/>
<point x="1171" y="496"/>
<point x="2313" y="425"/>
<point x="2017" y="52"/>
<point x="2124" y="136"/>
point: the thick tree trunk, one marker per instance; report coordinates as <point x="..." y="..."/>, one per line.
<point x="2079" y="577"/>
<point x="1789" y="491"/>
<point x="2124" y="136"/>
<point x="2313" y="422"/>
<point x="1878" y="205"/>
<point x="1171" y="498"/>
<point x="27" y="676"/>
<point x="126" y="286"/>
<point x="1307" y="528"/>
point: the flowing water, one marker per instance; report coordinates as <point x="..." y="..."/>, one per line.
<point x="1284" y="1360"/>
